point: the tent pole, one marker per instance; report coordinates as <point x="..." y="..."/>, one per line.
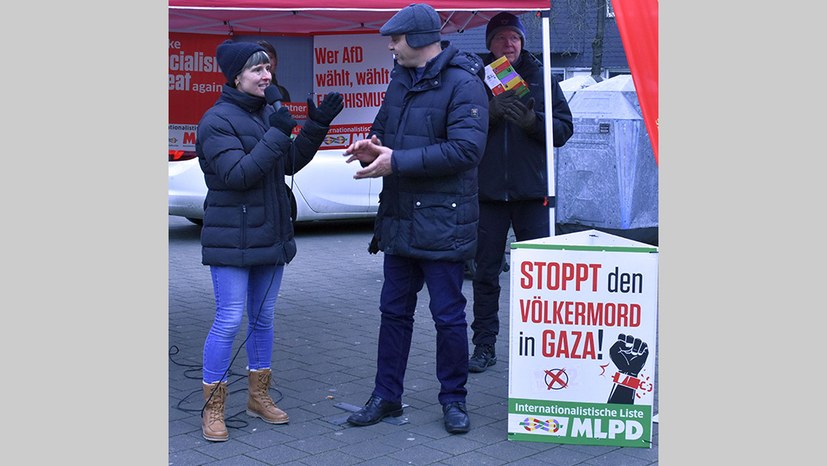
<point x="552" y="198"/>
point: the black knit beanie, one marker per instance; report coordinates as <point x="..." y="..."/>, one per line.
<point x="233" y="55"/>
<point x="504" y="20"/>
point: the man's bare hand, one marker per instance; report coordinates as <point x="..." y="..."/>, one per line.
<point x="372" y="152"/>
<point x="381" y="166"/>
<point x="364" y="150"/>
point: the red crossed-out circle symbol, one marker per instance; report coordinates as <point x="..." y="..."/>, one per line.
<point x="556" y="379"/>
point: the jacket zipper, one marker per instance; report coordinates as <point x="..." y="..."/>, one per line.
<point x="505" y="152"/>
<point x="243" y="226"/>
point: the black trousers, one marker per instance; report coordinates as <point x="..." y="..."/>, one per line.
<point x="530" y="220"/>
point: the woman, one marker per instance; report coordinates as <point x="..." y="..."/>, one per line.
<point x="245" y="150"/>
<point x="274" y="63"/>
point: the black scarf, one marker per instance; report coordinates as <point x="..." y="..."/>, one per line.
<point x="249" y="102"/>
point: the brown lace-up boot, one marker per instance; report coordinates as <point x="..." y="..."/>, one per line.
<point x="259" y="403"/>
<point x="212" y="418"/>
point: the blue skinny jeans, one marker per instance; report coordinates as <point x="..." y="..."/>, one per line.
<point x="258" y="288"/>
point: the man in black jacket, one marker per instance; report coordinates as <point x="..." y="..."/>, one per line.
<point x="426" y="143"/>
<point x="513" y="187"/>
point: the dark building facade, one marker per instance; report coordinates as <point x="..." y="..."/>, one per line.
<point x="573" y="28"/>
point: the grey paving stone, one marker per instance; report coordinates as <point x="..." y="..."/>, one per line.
<point x="419" y="455"/>
<point x="278" y="454"/>
<point x="316" y="444"/>
<point x="324" y="356"/>
<point x="240" y="461"/>
<point x="619" y="458"/>
<point x="188" y="458"/>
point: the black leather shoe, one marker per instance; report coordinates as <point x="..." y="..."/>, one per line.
<point x="374" y="411"/>
<point x="456" y="418"/>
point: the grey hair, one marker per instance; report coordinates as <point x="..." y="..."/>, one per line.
<point x="257" y="58"/>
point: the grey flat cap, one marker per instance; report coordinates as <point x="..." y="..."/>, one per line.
<point x="419" y="23"/>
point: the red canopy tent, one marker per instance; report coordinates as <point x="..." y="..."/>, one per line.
<point x="637" y="22"/>
<point x="326" y="17"/>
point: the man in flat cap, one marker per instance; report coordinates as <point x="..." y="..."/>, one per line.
<point x="426" y="143"/>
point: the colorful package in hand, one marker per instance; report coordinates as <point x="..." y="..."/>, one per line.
<point x="500" y="76"/>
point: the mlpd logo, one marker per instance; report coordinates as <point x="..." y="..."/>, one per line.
<point x="339" y="139"/>
<point x="532" y="424"/>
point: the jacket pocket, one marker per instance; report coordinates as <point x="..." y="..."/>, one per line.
<point x="434" y="223"/>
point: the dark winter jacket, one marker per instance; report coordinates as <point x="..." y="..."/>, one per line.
<point x="514" y="165"/>
<point x="436" y="126"/>
<point x="247" y="209"/>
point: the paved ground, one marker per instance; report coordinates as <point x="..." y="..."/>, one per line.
<point x="323" y="363"/>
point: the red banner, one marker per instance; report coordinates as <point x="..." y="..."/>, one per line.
<point x="637" y="22"/>
<point x="195" y="79"/>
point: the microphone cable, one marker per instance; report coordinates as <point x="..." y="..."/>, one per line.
<point x="249" y="333"/>
<point x="228" y="372"/>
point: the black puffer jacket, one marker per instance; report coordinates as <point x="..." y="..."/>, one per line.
<point x="514" y="165"/>
<point x="436" y="126"/>
<point x="247" y="210"/>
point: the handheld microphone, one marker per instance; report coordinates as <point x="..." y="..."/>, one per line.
<point x="273" y="96"/>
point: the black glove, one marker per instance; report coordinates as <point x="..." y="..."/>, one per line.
<point x="498" y="104"/>
<point x="373" y="247"/>
<point x="283" y="121"/>
<point x="330" y="107"/>
<point x="521" y="114"/>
